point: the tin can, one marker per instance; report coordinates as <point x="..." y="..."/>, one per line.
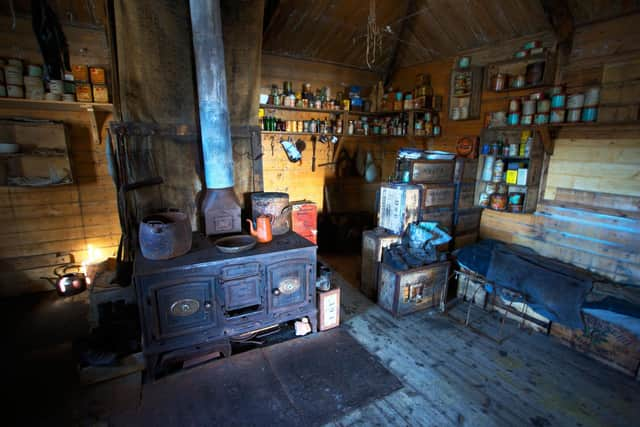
<point x="541" y="118"/>
<point x="34" y="70"/>
<point x="514" y="105"/>
<point x="592" y="97"/>
<point x="526" y="120"/>
<point x="532" y="44"/>
<point x="589" y="114"/>
<point x="575" y="101"/>
<point x="498" y="82"/>
<point x="464" y="62"/>
<point x="558" y="100"/>
<point x="80" y="73"/>
<point x="436" y="130"/>
<point x="513" y="119"/>
<point x="491" y="187"/>
<point x="498" y="202"/>
<point x="518" y="81"/>
<point x="3" y="91"/>
<point x="83" y="92"/>
<point x="521" y="54"/>
<point x="573" y="115"/>
<point x="536" y="96"/>
<point x="557" y="115"/>
<point x="100" y="93"/>
<point x="513" y="149"/>
<point x="13" y="75"/>
<point x="483" y="200"/>
<point x="516" y="202"/>
<point x="15" y="91"/>
<point x="528" y="107"/>
<point x="544" y="105"/>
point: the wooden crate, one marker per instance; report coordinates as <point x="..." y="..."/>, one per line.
<point x="465" y="170"/>
<point x="438" y="195"/>
<point x="467" y="221"/>
<point x="425" y="171"/>
<point x="399" y="206"/>
<point x="403" y="292"/>
<point x="465" y="193"/>
<point x="373" y="243"/>
<point x="444" y="217"/>
<point x="328" y="309"/>
<point x="465" y="239"/>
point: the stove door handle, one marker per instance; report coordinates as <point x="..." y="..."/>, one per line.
<point x="276" y="292"/>
<point x="207" y="305"/>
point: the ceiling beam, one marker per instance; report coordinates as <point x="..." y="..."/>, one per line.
<point x="559" y="15"/>
<point x="410" y="8"/>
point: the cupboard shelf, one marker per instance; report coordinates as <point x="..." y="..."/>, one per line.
<point x="300" y="109"/>
<point x="32" y="104"/>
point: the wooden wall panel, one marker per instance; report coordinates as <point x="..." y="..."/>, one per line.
<point x="44" y="227"/>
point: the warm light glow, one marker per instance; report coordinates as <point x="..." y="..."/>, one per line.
<point x="94" y="256"/>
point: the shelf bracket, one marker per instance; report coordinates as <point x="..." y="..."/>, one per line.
<point x="95" y="132"/>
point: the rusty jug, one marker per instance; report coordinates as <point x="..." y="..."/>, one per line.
<point x="262" y="232"/>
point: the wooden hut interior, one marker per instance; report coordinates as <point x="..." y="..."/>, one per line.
<point x="327" y="212"/>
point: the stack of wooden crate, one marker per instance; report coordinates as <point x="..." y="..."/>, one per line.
<point x="466" y="218"/>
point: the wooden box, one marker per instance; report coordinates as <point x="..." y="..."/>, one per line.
<point x="444" y="217"/>
<point x="465" y="193"/>
<point x="467" y="221"/>
<point x="426" y="171"/>
<point x="438" y="195"/>
<point x="328" y="309"/>
<point x="403" y="292"/>
<point x="399" y="206"/>
<point x="465" y="170"/>
<point x="373" y="243"/>
<point x="304" y="219"/>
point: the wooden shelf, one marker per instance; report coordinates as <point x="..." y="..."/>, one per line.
<point x="32" y="104"/>
<point x="279" y="132"/>
<point x="300" y="109"/>
<point x="519" y="89"/>
<point x="532" y="58"/>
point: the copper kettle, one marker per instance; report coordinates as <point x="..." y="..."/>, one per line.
<point x="262" y="230"/>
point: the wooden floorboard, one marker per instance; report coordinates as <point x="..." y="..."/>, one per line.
<point x="454" y="376"/>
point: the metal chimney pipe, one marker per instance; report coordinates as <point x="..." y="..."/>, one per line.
<point x="220" y="206"/>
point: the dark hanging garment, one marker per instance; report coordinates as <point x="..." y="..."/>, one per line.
<point x="51" y="39"/>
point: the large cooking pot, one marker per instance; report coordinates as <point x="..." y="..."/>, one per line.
<point x="274" y="204"/>
<point x="165" y="235"/>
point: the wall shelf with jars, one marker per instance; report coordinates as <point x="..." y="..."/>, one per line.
<point x="465" y="93"/>
<point x="521" y="73"/>
<point x="510" y="170"/>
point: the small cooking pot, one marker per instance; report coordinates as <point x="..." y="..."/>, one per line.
<point x="67" y="284"/>
<point x="165" y="235"/>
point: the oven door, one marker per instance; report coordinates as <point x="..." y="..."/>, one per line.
<point x="181" y="307"/>
<point x="288" y="284"/>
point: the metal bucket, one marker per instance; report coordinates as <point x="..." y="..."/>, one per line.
<point x="274" y="204"/>
<point x="165" y="235"/>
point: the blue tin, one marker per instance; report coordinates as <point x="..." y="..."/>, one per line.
<point x="589" y="114"/>
<point x="513" y="119"/>
<point x="558" y="100"/>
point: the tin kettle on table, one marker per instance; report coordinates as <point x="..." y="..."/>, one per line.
<point x="262" y="230"/>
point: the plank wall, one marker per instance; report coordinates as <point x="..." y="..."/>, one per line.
<point x="43" y="227"/>
<point x="591" y="213"/>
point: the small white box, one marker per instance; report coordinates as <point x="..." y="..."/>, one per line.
<point x="522" y="176"/>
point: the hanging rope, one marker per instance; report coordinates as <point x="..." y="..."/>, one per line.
<point x="374" y="38"/>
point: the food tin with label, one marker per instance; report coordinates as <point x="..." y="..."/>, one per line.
<point x="535" y="73"/>
<point x="558" y="100"/>
<point x="34" y="70"/>
<point x="97" y="75"/>
<point x="536" y="96"/>
<point x="13" y="75"/>
<point x="498" y="201"/>
<point x="589" y="114"/>
<point x="490" y="188"/>
<point x="514" y="105"/>
<point x="573" y="115"/>
<point x="557" y="115"/>
<point x="516" y="202"/>
<point x="528" y="107"/>
<point x="526" y="120"/>
<point x="541" y="118"/>
<point x="83" y="92"/>
<point x="80" y="73"/>
<point x="483" y="200"/>
<point x="544" y="105"/>
<point x="101" y="94"/>
<point x="513" y="119"/>
<point x="592" y="97"/>
<point x="498" y="82"/>
<point x="518" y="81"/>
<point x="15" y="91"/>
<point x="575" y="101"/>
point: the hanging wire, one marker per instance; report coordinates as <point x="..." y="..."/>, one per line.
<point x="374" y="37"/>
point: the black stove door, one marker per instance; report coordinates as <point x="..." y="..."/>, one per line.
<point x="288" y="284"/>
<point x="183" y="306"/>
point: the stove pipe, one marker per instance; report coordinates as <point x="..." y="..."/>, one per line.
<point x="220" y="206"/>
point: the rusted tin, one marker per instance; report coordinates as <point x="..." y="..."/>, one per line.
<point x="165" y="235"/>
<point x="498" y="201"/>
<point x="274" y="204"/>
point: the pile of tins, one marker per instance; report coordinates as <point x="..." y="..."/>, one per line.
<point x="557" y="108"/>
<point x="395" y="125"/>
<point x="505" y="165"/>
<point x="324" y="126"/>
<point x="20" y="81"/>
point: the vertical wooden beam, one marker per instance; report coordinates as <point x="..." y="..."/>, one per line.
<point x="410" y="8"/>
<point x="561" y="19"/>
